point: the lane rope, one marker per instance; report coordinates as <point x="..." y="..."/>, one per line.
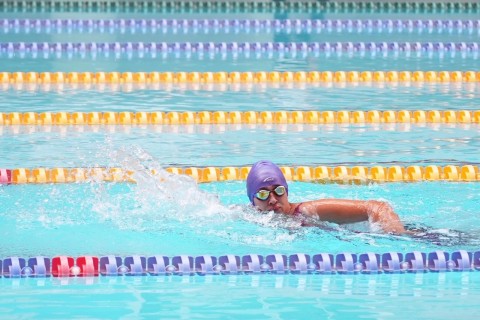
<point x="437" y="26"/>
<point x="243" y="77"/>
<point x="239" y="47"/>
<point x="307" y="5"/>
<point x="319" y="174"/>
<point x="239" y="117"/>
<point x="231" y="264"/>
<point x="226" y="55"/>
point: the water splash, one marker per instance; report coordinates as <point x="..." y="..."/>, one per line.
<point x="156" y="195"/>
<point x="163" y="202"/>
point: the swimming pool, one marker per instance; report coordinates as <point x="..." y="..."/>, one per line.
<point x="101" y="217"/>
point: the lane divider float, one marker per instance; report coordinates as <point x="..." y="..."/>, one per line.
<point x="239" y="117"/>
<point x="319" y="174"/>
<point x="208" y="5"/>
<point x="231" y="264"/>
<point x="245" y="25"/>
<point x="242" y="77"/>
<point x="257" y="54"/>
<point x="239" y="47"/>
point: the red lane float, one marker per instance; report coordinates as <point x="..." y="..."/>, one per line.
<point x="88" y="266"/>
<point x="5" y="176"/>
<point x="61" y="266"/>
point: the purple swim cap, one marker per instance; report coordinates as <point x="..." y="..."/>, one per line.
<point x="263" y="174"/>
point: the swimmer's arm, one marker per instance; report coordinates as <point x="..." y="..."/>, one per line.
<point x="350" y="211"/>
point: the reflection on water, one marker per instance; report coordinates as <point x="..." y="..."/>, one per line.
<point x="411" y="295"/>
<point x="26" y="97"/>
<point x="310" y="145"/>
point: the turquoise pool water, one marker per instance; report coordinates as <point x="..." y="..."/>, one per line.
<point x="179" y="217"/>
<point x="288" y="144"/>
<point x="150" y="218"/>
<point x="271" y="296"/>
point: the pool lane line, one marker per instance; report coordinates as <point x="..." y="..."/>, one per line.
<point x="242" y="77"/>
<point x="317" y="174"/>
<point x="233" y="55"/>
<point x="436" y="26"/>
<point x="240" y="47"/>
<point x="231" y="264"/>
<point x="307" y="6"/>
<point x="127" y="118"/>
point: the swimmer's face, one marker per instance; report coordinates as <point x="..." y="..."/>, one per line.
<point x="275" y="199"/>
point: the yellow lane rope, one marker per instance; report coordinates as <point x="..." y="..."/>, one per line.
<point x="241" y="77"/>
<point x="238" y="117"/>
<point x="321" y="174"/>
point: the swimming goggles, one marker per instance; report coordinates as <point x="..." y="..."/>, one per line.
<point x="264" y="194"/>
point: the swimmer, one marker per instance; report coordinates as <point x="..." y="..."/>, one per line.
<point x="267" y="190"/>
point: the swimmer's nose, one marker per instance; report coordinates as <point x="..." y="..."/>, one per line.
<point x="272" y="199"/>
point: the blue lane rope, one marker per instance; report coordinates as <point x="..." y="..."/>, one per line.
<point x="245" y="25"/>
<point x="322" y="263"/>
<point x="213" y="47"/>
<point x="255" y="5"/>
